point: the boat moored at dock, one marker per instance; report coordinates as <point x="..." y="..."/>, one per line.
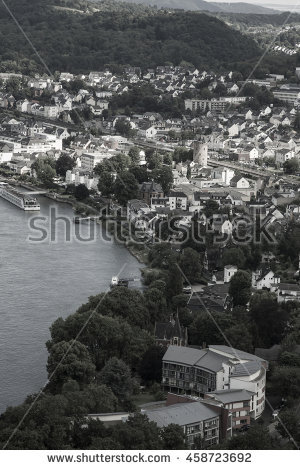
<point x="19" y="199"/>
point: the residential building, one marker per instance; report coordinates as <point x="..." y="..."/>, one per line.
<point x="288" y="96"/>
<point x="240" y="404"/>
<point x="178" y="200"/>
<point x="198" y="420"/>
<point x="229" y="272"/>
<point x="149" y="191"/>
<point x="264" y="279"/>
<point x="286" y="292"/>
<point x="200" y="371"/>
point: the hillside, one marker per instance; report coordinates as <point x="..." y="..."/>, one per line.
<point x="201" y="5"/>
<point x="252" y="19"/>
<point x="77" y="36"/>
<point x="242" y="7"/>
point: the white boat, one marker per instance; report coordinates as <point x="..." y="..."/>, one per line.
<point x="23" y="201"/>
<point x="114" y="281"/>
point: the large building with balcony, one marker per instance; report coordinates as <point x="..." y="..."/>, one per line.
<point x="198" y="372"/>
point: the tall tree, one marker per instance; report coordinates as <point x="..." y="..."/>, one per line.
<point x="240" y="288"/>
<point x="174" y="282"/>
<point x="69" y="360"/>
<point x="81" y="192"/>
<point x="164" y="176"/>
<point x="191" y="265"/>
<point x="116" y="375"/>
<point x="125" y="187"/>
<point x="63" y="164"/>
<point x="151" y="364"/>
<point x="106" y="184"/>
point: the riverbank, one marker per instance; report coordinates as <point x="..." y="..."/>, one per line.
<point x="80" y="207"/>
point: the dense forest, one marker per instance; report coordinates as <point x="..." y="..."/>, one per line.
<point x="78" y="36"/>
<point x="196" y="5"/>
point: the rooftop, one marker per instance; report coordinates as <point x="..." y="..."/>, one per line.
<point x="181" y="414"/>
<point x="231" y="396"/>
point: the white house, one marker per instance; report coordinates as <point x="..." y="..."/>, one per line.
<point x="282" y="155"/>
<point x="147" y="131"/>
<point x="229" y="272"/>
<point x="6" y="152"/>
<point x="239" y="182"/>
<point x="178" y="200"/>
<point x="264" y="279"/>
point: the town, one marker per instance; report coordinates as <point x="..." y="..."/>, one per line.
<point x="201" y="171"/>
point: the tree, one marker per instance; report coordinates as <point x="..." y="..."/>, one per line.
<point x="106" y="183"/>
<point x="234" y="256"/>
<point x="151" y="364"/>
<point x="211" y="208"/>
<point x="92" y="399"/>
<point x="138" y="433"/>
<point x="63" y="164"/>
<point x="116" y="375"/>
<point x="81" y="192"/>
<point x="289" y="359"/>
<point x="69" y="360"/>
<point x="47" y="175"/>
<point x="240" y="288"/>
<point x="189" y="172"/>
<point x="162" y="256"/>
<point x="45" y="170"/>
<point x="296" y="124"/>
<point x="286" y="381"/>
<point x="134" y="154"/>
<point x="123" y="127"/>
<point x="156" y="303"/>
<point x="267" y="315"/>
<point x="191" y="265"/>
<point x="209" y="327"/>
<point x="140" y="173"/>
<point x="291" y="166"/>
<point x="173" y="437"/>
<point x="39" y="427"/>
<point x="125" y="187"/>
<point x="172" y="134"/>
<point x="240" y="337"/>
<point x="164" y="177"/>
<point x="116" y="164"/>
<point x="154" y="161"/>
<point x="256" y="438"/>
<point x="174" y="282"/>
<point x="289" y="425"/>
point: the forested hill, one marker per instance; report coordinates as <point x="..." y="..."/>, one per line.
<point x="197" y="5"/>
<point x="260" y="20"/>
<point x="77" y="36"/>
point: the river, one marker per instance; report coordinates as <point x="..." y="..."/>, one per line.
<point x="40" y="281"/>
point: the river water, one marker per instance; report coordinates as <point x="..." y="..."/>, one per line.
<point x="42" y="280"/>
